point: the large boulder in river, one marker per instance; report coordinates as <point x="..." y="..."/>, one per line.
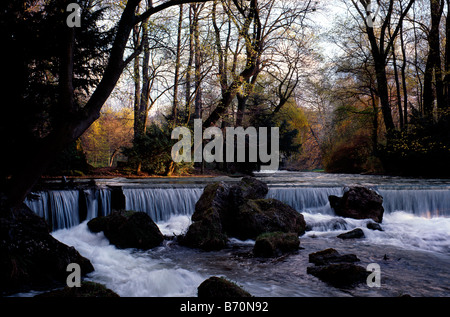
<point x="251" y="188"/>
<point x="238" y="210"/>
<point x="211" y="210"/>
<point x="359" y="203"/>
<point x="256" y="217"/>
<point x="30" y="258"/>
<point x="205" y="233"/>
<point x="128" y="229"/>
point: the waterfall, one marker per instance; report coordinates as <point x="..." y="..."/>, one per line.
<point x="420" y="202"/>
<point x="105" y="202"/>
<point x="162" y="203"/>
<point x="66" y="208"/>
<point x="91" y="197"/>
<point x="39" y="204"/>
<point x="312" y="199"/>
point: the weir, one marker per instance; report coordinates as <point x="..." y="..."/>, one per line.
<point x="67" y="208"/>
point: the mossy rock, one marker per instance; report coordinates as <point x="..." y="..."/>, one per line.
<point x="251" y="188"/>
<point x="128" y="229"/>
<point x="87" y="289"/>
<point x="219" y="287"/>
<point x="239" y="211"/>
<point x="206" y="234"/>
<point x="30" y="257"/>
<point x="274" y="244"/>
<point x="259" y="216"/>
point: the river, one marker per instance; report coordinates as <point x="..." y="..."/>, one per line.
<point x="413" y="251"/>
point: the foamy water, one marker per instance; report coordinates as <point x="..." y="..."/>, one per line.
<point x="171" y="270"/>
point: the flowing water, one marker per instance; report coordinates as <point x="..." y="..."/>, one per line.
<point x="413" y="251"/>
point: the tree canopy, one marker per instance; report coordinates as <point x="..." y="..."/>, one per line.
<point x="354" y="86"/>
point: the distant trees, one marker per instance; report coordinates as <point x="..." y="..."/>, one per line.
<point x="229" y="61"/>
<point x="106" y="138"/>
<point x="394" y="63"/>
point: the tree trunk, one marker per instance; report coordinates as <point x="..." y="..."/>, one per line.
<point x="380" y="49"/>
<point x="197" y="63"/>
<point x="403" y="74"/>
<point x="137" y="78"/>
<point x="447" y="59"/>
<point x="190" y="62"/>
<point x="374" y="123"/>
<point x="241" y="105"/>
<point x="383" y="92"/>
<point x="397" y="89"/>
<point x="382" y="83"/>
<point x="253" y="52"/>
<point x="433" y="65"/>
<point x="177" y="70"/>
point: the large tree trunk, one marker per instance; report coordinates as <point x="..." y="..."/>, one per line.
<point x="447" y="60"/>
<point x="253" y="51"/>
<point x="197" y="62"/>
<point x="190" y="63"/>
<point x="403" y="75"/>
<point x="140" y="119"/>
<point x="380" y="49"/>
<point x="383" y="92"/>
<point x="177" y="70"/>
<point x="433" y="67"/>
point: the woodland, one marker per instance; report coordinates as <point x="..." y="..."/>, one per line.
<point x="354" y="86"/>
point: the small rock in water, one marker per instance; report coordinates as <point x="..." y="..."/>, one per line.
<point x="218" y="287"/>
<point x="336" y="269"/>
<point x="354" y="234"/>
<point x="339" y="274"/>
<point x="374" y="226"/>
<point x="87" y="289"/>
<point x="329" y="256"/>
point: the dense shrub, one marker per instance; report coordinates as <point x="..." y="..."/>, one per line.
<point x="153" y="153"/>
<point x="421" y="150"/>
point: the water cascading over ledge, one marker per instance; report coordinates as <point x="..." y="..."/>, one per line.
<point x="67" y="208"/>
<point x="162" y="203"/>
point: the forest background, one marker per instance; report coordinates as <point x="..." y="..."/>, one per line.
<point x="354" y="86"/>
